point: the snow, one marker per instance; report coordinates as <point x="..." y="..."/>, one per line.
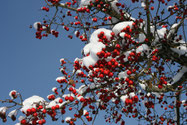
<point x="12" y="113"/>
<point x="122" y="75"/>
<point x="77" y="72"/>
<point x="62" y="4"/>
<point x="60" y="78"/>
<point x="50" y="95"/>
<point x="51" y="104"/>
<point x="183" y="102"/>
<point x="174" y="25"/>
<point x="76" y="32"/>
<point x="126" y="56"/>
<point x="54" y="103"/>
<point x="87" y="61"/>
<point x="120" y="26"/>
<point x="10" y="93"/>
<point x="31" y="102"/>
<point x="182" y="49"/>
<point x="54" y="89"/>
<point x="169" y="7"/>
<point x="92" y="86"/>
<point x="142" y="48"/>
<point x="64" y="95"/>
<point x="141" y="37"/>
<point x="64" y="103"/>
<point x="148" y="94"/>
<point x="123" y="98"/>
<point x="21" y="118"/>
<point x="161" y="32"/>
<point x="61" y="60"/>
<point x="178" y="76"/>
<point x="82" y="89"/>
<point x="84" y="112"/>
<point x="85" y="2"/>
<point x="67" y="119"/>
<point x="157" y="94"/>
<point x="122" y="35"/>
<point x="94" y="46"/>
<point x="143" y="3"/>
<point x="79" y="97"/>
<point x="3" y="109"/>
<point x="87" y="48"/>
<point x="113" y="4"/>
<point x="113" y="20"/>
<point x="158" y="35"/>
<point x="132" y="94"/>
<point x="142" y="86"/>
<point x="97" y="47"/>
<point x="35" y="25"/>
<point x="94" y="35"/>
<point x="173" y="29"/>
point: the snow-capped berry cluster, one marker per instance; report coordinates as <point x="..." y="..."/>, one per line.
<point x="123" y="68"/>
<point x="13" y="94"/>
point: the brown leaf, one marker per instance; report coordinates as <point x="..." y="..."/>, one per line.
<point x="71" y="81"/>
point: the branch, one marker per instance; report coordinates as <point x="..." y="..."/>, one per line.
<point x="174" y="28"/>
<point x="178" y="80"/>
<point x="148" y="20"/>
<point x="61" y="5"/>
<point x="172" y="55"/>
<point x="167" y="46"/>
<point x="180" y="77"/>
<point x="165" y="89"/>
<point x="178" y="109"/>
<point x="67" y="7"/>
<point x="110" y="12"/>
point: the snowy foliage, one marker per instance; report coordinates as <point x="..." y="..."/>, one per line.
<point x="129" y="66"/>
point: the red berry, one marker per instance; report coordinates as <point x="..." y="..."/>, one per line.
<point x="160" y="86"/>
<point x="70" y="108"/>
<point x="44" y="111"/>
<point x="33" y="110"/>
<point x="152" y="8"/>
<point x="57" y="107"/>
<point x="94" y="19"/>
<point x="71" y="89"/>
<point x="23" y="121"/>
<point x="130" y="82"/>
<point x="71" y="99"/>
<point x="129" y="72"/>
<point x="40" y="122"/>
<point x="40" y="107"/>
<point x="60" y="100"/>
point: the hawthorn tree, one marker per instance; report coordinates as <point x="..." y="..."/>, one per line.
<point x="134" y="64"/>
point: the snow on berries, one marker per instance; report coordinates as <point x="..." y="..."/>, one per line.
<point x="13" y="94"/>
<point x="61" y="79"/>
<point x="127" y="64"/>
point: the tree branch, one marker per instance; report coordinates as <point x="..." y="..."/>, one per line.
<point x="178" y="109"/>
<point x="148" y="20"/>
<point x="178" y="80"/>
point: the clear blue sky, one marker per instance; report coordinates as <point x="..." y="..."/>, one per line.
<point x="27" y="64"/>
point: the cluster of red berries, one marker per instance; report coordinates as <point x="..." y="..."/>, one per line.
<point x="46" y="9"/>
